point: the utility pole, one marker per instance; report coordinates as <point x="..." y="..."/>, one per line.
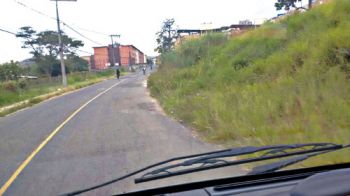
<point x="60" y="43"/>
<point x="113" y="56"/>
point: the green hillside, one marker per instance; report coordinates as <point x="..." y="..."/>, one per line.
<point x="285" y="82"/>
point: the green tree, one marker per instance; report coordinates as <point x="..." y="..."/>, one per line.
<point x="28" y="34"/>
<point x="166" y="37"/>
<point x="45" y="48"/>
<point x="287" y="4"/>
<point x="149" y="61"/>
<point x="75" y="63"/>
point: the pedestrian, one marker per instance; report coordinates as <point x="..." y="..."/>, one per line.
<point x="118" y="73"/>
<point x="144" y="70"/>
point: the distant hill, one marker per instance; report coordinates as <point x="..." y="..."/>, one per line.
<point x="27" y="63"/>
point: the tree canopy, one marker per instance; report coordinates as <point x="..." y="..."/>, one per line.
<point x="46" y="42"/>
<point x="287" y="4"/>
<point x="44" y="47"/>
<point x="166" y="37"/>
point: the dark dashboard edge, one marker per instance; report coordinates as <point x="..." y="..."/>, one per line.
<point x="239" y="179"/>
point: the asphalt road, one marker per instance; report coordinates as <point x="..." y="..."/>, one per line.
<point x="116" y="133"/>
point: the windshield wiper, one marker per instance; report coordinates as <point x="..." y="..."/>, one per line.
<point x="216" y="159"/>
<point x="284" y="163"/>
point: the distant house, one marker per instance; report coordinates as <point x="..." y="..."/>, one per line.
<point x="231" y="30"/>
<point x="123" y="55"/>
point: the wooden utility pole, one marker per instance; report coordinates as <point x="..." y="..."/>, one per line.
<point x="60" y="43"/>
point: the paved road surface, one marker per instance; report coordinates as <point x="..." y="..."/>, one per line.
<point x="120" y="131"/>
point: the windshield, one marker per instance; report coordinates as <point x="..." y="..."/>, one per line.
<point x="91" y="91"/>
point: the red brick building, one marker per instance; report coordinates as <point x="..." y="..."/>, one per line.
<point x="124" y="55"/>
<point x="130" y="55"/>
<point x="101" y="58"/>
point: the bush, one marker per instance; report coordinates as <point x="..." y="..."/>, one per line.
<point x="22" y="84"/>
<point x="76" y="64"/>
<point x="10" y="86"/>
<point x="9" y="71"/>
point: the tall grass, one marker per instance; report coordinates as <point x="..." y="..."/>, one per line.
<point x="285" y="82"/>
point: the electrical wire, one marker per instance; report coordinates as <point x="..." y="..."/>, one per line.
<point x="84" y="51"/>
<point x="53" y="18"/>
<point x="12" y="33"/>
<point x="92" y="31"/>
<point x="34" y="10"/>
<point x="62" y="22"/>
<point x="77" y="32"/>
<point x="9" y="32"/>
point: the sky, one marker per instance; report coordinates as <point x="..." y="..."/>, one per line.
<point x="137" y="21"/>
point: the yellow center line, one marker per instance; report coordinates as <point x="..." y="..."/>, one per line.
<point x="53" y="133"/>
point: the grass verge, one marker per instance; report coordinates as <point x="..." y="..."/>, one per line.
<point x="16" y="95"/>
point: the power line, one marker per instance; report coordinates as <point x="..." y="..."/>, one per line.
<point x="77" y="32"/>
<point x="34" y="10"/>
<point x="53" y="18"/>
<point x="9" y="32"/>
<point x="84" y="51"/>
<point x="92" y="31"/>
<point x="12" y="33"/>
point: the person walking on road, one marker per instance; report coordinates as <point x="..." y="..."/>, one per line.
<point x="144" y="70"/>
<point x="118" y="73"/>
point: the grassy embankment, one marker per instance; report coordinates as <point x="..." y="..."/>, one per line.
<point x="286" y="82"/>
<point x="35" y="91"/>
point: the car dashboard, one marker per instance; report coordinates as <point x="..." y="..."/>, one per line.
<point x="322" y="180"/>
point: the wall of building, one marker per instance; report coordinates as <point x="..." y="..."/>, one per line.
<point x="142" y="58"/>
<point x="133" y="53"/>
<point x="137" y="57"/>
<point x="124" y="52"/>
<point x="101" y="58"/>
<point x="124" y="55"/>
